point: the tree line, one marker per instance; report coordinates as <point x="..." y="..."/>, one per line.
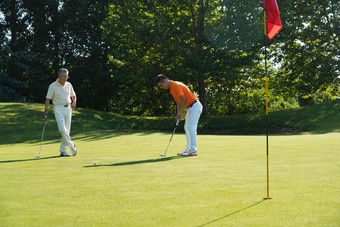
<point x="114" y="50"/>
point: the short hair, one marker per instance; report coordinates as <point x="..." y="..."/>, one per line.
<point x="160" y="78"/>
<point x="62" y="70"/>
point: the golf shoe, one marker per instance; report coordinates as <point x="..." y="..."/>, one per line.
<point x="73" y="149"/>
<point x="190" y="153"/>
<point x="183" y="152"/>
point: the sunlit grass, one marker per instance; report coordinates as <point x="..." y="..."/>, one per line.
<point x="131" y="185"/>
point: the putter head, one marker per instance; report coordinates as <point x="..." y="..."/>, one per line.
<point x="37" y="157"/>
<point x="163" y="155"/>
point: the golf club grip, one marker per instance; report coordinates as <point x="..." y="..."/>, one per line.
<point x="177" y="122"/>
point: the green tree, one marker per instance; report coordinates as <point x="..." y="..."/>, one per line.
<point x="11" y="89"/>
<point x="180" y="39"/>
<point x="59" y="34"/>
<point x="308" y="49"/>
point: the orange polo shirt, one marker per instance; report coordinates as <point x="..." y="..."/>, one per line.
<point x="178" y="89"/>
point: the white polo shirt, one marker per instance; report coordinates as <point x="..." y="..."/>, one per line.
<point x="60" y="95"/>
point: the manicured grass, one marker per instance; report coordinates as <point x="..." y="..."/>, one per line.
<point x="22" y="122"/>
<point x="133" y="186"/>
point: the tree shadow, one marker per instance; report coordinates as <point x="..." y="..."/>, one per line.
<point x="31" y="159"/>
<point x="87" y="125"/>
<point x="91" y="125"/>
<point x="232" y="213"/>
<point x="138" y="162"/>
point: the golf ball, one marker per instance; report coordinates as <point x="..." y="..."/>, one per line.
<point x="95" y="163"/>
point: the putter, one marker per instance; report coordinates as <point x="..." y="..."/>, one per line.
<point x="163" y="155"/>
<point x="42" y="137"/>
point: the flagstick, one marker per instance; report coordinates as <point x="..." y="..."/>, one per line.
<point x="265" y="57"/>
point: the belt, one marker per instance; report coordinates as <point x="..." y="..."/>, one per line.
<point x="67" y="105"/>
<point x="192" y="103"/>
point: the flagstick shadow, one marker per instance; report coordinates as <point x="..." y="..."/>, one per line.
<point x="138" y="162"/>
<point x="235" y="212"/>
<point x="31" y="159"/>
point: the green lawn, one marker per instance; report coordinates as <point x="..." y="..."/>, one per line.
<point x="22" y="122"/>
<point x="133" y="186"/>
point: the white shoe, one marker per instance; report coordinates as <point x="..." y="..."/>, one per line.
<point x="64" y="153"/>
<point x="190" y="153"/>
<point x="73" y="149"/>
<point x="183" y="153"/>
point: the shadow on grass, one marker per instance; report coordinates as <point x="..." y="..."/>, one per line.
<point x="87" y="125"/>
<point x="139" y="162"/>
<point x="232" y="213"/>
<point x="31" y="159"/>
<point x="91" y="125"/>
<point x="108" y="134"/>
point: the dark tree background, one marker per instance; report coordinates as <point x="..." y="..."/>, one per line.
<point x="115" y="49"/>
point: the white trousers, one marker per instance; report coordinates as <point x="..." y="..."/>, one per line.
<point x="191" y="121"/>
<point x="63" y="117"/>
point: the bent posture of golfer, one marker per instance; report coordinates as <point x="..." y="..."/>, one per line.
<point x="184" y="98"/>
<point x="61" y="92"/>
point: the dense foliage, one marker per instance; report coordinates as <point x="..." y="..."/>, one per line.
<point x="115" y="49"/>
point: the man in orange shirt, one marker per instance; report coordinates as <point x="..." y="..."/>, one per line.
<point x="184" y="98"/>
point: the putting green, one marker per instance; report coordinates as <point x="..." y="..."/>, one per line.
<point x="131" y="185"/>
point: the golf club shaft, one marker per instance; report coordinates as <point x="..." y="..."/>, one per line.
<point x="42" y="136"/>
<point x="171" y="137"/>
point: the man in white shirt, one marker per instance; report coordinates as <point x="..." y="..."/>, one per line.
<point x="64" y="101"/>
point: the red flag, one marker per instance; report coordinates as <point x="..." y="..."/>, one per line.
<point x="273" y="17"/>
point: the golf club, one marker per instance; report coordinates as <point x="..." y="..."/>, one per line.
<point x="163" y="155"/>
<point x="42" y="137"/>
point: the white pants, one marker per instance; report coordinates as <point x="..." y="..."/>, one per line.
<point x="63" y="117"/>
<point x="191" y="121"/>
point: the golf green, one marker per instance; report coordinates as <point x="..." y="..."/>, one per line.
<point x="131" y="185"/>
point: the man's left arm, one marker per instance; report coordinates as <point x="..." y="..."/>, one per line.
<point x="180" y="107"/>
<point x="73" y="97"/>
<point x="74" y="101"/>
